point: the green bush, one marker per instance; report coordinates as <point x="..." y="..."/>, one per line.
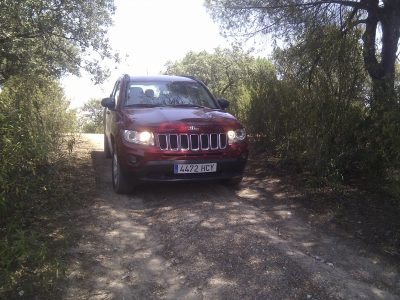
<point x="312" y="111"/>
<point x="34" y="126"/>
<point x="34" y="120"/>
<point x="91" y="117"/>
<point x="315" y="112"/>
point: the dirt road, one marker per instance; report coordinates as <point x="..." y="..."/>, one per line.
<point x="207" y="241"/>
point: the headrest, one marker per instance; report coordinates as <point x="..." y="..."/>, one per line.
<point x="135" y="93"/>
<point x="149" y="93"/>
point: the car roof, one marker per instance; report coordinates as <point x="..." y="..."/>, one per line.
<point x="167" y="78"/>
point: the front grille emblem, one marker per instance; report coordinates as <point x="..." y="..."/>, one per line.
<point x="193" y="128"/>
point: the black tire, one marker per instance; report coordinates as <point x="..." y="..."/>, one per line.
<point x="121" y="182"/>
<point x="107" y="150"/>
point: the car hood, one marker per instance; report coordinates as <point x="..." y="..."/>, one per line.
<point x="171" y="119"/>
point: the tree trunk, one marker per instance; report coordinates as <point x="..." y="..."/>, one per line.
<point x="382" y="72"/>
<point x="383" y="92"/>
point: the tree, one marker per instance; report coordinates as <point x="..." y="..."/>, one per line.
<point x="92" y="117"/>
<point x="223" y="71"/>
<point x="51" y="37"/>
<point x="291" y="18"/>
<point x="322" y="104"/>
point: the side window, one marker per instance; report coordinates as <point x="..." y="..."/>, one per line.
<point x="115" y="93"/>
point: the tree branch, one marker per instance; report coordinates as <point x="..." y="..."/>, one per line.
<point x="358" y="5"/>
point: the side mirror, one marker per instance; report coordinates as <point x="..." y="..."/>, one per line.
<point x="109" y="103"/>
<point x="223" y="103"/>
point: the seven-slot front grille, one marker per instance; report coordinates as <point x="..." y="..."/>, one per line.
<point x="192" y="141"/>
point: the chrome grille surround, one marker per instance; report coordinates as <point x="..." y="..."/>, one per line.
<point x="192" y="141"/>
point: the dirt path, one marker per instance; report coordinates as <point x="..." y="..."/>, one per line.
<point x="207" y="241"/>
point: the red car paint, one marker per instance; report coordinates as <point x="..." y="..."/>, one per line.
<point x="178" y="130"/>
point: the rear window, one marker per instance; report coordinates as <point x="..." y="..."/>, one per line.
<point x="177" y="93"/>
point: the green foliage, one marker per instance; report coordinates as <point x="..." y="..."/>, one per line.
<point x="325" y="113"/>
<point x="91" y="120"/>
<point x="34" y="127"/>
<point x="34" y="118"/>
<point x="318" y="115"/>
<point x="24" y="257"/>
<point x="224" y="72"/>
<point x="325" y="108"/>
<point x="40" y="41"/>
<point x="286" y="20"/>
<point x="54" y="37"/>
<point x="263" y="113"/>
<point x="35" y="237"/>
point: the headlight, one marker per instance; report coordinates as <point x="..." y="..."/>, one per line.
<point x="236" y="135"/>
<point x="137" y="137"/>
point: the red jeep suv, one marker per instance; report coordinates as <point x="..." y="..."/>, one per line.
<point x="170" y="128"/>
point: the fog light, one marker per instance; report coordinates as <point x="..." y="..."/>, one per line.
<point x="132" y="159"/>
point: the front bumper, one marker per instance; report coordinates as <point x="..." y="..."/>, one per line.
<point x="163" y="170"/>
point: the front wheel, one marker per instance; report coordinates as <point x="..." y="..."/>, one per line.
<point x="120" y="180"/>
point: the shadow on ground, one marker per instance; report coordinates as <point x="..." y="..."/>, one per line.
<point x="206" y="241"/>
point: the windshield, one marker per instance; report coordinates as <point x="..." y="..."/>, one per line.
<point x="177" y="93"/>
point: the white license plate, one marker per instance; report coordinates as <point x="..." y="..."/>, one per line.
<point x="195" y="168"/>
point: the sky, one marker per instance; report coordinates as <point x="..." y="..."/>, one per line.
<point x="147" y="34"/>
